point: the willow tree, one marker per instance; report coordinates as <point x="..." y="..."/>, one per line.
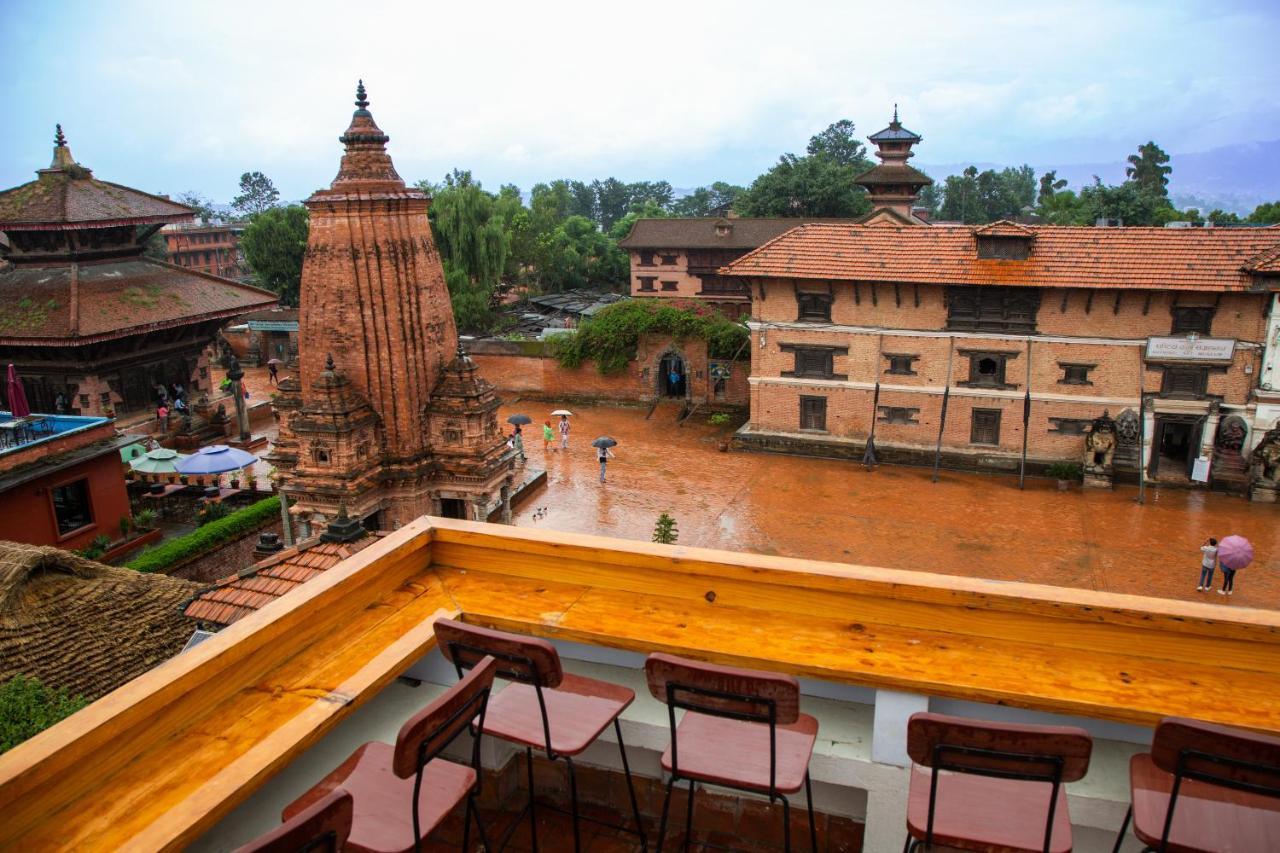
<point x="473" y="244"/>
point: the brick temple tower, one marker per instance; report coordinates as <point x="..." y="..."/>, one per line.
<point x="893" y="185"/>
<point x="376" y="338"/>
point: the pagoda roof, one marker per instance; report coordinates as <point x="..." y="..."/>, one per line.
<point x="113" y="300"/>
<point x="893" y="174"/>
<point x="66" y="196"/>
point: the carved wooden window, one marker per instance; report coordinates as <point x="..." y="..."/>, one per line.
<point x="1069" y="426"/>
<point x="992" y="309"/>
<point x="987" y="369"/>
<point x="1185" y="382"/>
<point x="1187" y="320"/>
<point x="1004" y="248"/>
<point x="814" y="307"/>
<point x="646" y="283"/>
<point x="646" y="258"/>
<point x="898" y="415"/>
<point x="813" y="413"/>
<point x="901" y="365"/>
<point x="321" y="455"/>
<point x="671" y="285"/>
<point x="985" y="428"/>
<point x="452" y="436"/>
<point x="1075" y="374"/>
<point x="668" y="260"/>
<point x="814" y="362"/>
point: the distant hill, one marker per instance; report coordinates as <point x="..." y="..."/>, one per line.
<point x="1235" y="177"/>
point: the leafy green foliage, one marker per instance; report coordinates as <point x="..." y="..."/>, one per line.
<point x="820" y="184"/>
<point x="210" y="513"/>
<point x="1050" y="183"/>
<point x="665" y="532"/>
<point x="611" y="336"/>
<point x="471" y="231"/>
<point x="715" y="200"/>
<point x="144" y="519"/>
<point x="576" y="254"/>
<point x="27" y="708"/>
<point x="203" y="206"/>
<point x="719" y="419"/>
<point x="257" y="194"/>
<point x="1266" y="214"/>
<point x="975" y="197"/>
<point x="1148" y="170"/>
<point x="207" y="537"/>
<point x="839" y="144"/>
<point x="274" y="243"/>
<point x="1064" y="471"/>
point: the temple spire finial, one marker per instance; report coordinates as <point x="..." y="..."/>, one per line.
<point x="59" y="140"/>
<point x="895" y="114"/>
<point x="328" y="362"/>
<point x="362" y="101"/>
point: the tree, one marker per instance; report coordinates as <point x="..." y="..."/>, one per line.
<point x="27" y="708"/>
<point x="1221" y="217"/>
<point x="805" y="186"/>
<point x="1050" y="183"/>
<point x="839" y="144"/>
<point x="203" y="206"/>
<point x="975" y="197"/>
<point x="665" y="532"/>
<point x="715" y="200"/>
<point x="657" y="193"/>
<point x="274" y="243"/>
<point x="647" y="210"/>
<point x="1129" y="202"/>
<point x="1267" y="213"/>
<point x="930" y="199"/>
<point x="156" y="247"/>
<point x="576" y="254"/>
<point x="613" y="199"/>
<point x="470" y="230"/>
<point x="1148" y="171"/>
<point x="257" y="194"/>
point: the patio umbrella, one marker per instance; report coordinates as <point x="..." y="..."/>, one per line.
<point x="132" y="451"/>
<point x="162" y="460"/>
<point x="216" y="459"/>
<point x="565" y="412"/>
<point x="17" y="395"/>
<point x="520" y="420"/>
<point x="604" y="441"/>
<point x="1235" y="552"/>
<point x="274" y="361"/>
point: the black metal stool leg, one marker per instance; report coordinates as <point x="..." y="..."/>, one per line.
<point x="662" y="825"/>
<point x="1124" y="827"/>
<point x="466" y="826"/>
<point x="813" y="825"/>
<point x="573" y="799"/>
<point x="786" y="824"/>
<point x="688" y="818"/>
<point x="533" y="819"/>
<point x="484" y="837"/>
<point x="631" y="787"/>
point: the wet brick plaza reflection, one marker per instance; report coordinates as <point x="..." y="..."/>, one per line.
<point x="977" y="525"/>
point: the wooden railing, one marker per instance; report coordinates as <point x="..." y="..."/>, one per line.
<point x="156" y="763"/>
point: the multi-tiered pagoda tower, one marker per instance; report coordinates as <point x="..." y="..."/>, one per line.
<point x="387" y="417"/>
<point x="893" y="185"/>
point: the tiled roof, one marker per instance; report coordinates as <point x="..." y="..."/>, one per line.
<point x="114" y="299"/>
<point x="897" y="173"/>
<point x="62" y="199"/>
<point x="1132" y="258"/>
<point x="1004" y="228"/>
<point x="700" y="232"/>
<point x="233" y="598"/>
<point x="1268" y="262"/>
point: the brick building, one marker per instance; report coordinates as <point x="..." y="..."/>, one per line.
<point x="388" y="416"/>
<point x="1079" y="321"/>
<point x="208" y="248"/>
<point x="89" y="321"/>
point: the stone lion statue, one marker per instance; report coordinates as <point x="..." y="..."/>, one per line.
<point x="1265" y="459"/>
<point x="1100" y="443"/>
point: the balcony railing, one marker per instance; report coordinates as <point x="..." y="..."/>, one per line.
<point x="157" y="763"/>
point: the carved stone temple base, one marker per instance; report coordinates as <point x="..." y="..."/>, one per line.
<point x="1263" y="493"/>
<point x="1098" y="480"/>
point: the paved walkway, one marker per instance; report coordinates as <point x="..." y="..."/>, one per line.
<point x="966" y="524"/>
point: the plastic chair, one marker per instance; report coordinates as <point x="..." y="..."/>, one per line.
<point x="1205" y="787"/>
<point x="324" y="825"/>
<point x="742" y="729"/>
<point x="543" y="707"/>
<point x="992" y="786"/>
<point x="403" y="792"/>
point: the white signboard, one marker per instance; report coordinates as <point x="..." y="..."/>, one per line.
<point x="1200" y="469"/>
<point x="1190" y="349"/>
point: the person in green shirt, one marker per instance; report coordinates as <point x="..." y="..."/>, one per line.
<point x="548" y="436"/>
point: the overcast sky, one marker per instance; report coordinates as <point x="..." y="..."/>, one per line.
<point x="187" y="95"/>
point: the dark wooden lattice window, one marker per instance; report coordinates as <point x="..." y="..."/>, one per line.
<point x="669" y="260"/>
<point x="1188" y="320"/>
<point x="1004" y="248"/>
<point x="646" y="283"/>
<point x="814" y="307"/>
<point x="898" y="415"/>
<point x="901" y="365"/>
<point x="1185" y="382"/>
<point x="814" y="362"/>
<point x="987" y="369"/>
<point x="986" y="427"/>
<point x="813" y="413"/>
<point x="646" y="259"/>
<point x="670" y="285"/>
<point x="1075" y="374"/>
<point x="71" y="506"/>
<point x="992" y="309"/>
<point x="1068" y="426"/>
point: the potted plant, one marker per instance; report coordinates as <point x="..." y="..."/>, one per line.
<point x="1065" y="473"/>
<point x="145" y="519"/>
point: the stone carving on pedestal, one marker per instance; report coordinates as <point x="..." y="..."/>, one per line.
<point x="1127" y="435"/>
<point x="1264" y="467"/>
<point x="1099" y="453"/>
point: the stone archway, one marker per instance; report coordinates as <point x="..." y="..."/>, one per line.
<point x="672" y="374"/>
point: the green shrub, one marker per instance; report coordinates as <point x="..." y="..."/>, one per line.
<point x="145" y="519"/>
<point x="610" y="337"/>
<point x="204" y="539"/>
<point x="211" y="513"/>
<point x="27" y="708"/>
<point x="665" y="532"/>
<point x="718" y="419"/>
<point x="125" y="524"/>
<point x="1064" y="471"/>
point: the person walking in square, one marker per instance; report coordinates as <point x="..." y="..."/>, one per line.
<point x="273" y="373"/>
<point x="1208" y="560"/>
<point x="1228" y="581"/>
<point x="547" y="437"/>
<point x="603" y="455"/>
<point x="162" y="415"/>
<point x="564" y="432"/>
<point x="517" y="441"/>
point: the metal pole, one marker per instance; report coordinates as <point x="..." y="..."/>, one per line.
<point x="1026" y="422"/>
<point x="946" y="397"/>
<point x="1142" y="429"/>
<point x="869" y="452"/>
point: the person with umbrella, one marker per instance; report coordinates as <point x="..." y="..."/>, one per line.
<point x="603" y="452"/>
<point x="517" y="438"/>
<point x="563" y="427"/>
<point x="1234" y="553"/>
<point x="273" y="372"/>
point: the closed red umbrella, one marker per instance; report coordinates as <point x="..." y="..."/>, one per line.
<point x="1235" y="552"/>
<point x="18" y="406"/>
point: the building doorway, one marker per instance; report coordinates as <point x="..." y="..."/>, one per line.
<point x="672" y="376"/>
<point x="1176" y="446"/>
<point x="453" y="508"/>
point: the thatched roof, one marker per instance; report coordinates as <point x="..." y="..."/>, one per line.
<point x="74" y="623"/>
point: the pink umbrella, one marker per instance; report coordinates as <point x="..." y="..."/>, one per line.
<point x="18" y="406"/>
<point x="1235" y="552"/>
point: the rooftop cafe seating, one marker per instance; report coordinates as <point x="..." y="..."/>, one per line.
<point x="1205" y="787"/>
<point x="741" y="729"/>
<point x="322" y="826"/>
<point x="403" y="792"/>
<point x="543" y="707"/>
<point x="987" y="786"/>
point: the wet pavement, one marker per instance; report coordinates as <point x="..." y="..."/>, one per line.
<point x="976" y="525"/>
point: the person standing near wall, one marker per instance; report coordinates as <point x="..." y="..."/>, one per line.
<point x="162" y="415"/>
<point x="1208" y="560"/>
<point x="564" y="432"/>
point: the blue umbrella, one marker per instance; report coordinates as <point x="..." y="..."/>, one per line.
<point x="216" y="459"/>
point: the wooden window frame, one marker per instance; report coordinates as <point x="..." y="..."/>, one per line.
<point x="826" y="353"/>
<point x="669" y="286"/>
<point x="53" y="508"/>
<point x="819" y="403"/>
<point x="813" y="307"/>
<point x="647" y="283"/>
<point x="669" y="260"/>
<point x="895" y="361"/>
<point x="646" y="258"/>
<point x="991" y="308"/>
<point x="900" y="415"/>
<point x="1069" y="426"/>
<point x="1068" y="367"/>
<point x="1169" y="380"/>
<point x="978" y="379"/>
<point x="1192" y="319"/>
<point x="998" y="415"/>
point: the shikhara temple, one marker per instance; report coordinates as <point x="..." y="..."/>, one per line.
<point x="84" y="315"/>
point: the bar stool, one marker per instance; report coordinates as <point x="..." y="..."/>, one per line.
<point x="324" y="825"/>
<point x="1205" y="787"/>
<point x="991" y="786"/>
<point x="388" y="783"/>
<point x="742" y="729"/>
<point x="543" y="707"/>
